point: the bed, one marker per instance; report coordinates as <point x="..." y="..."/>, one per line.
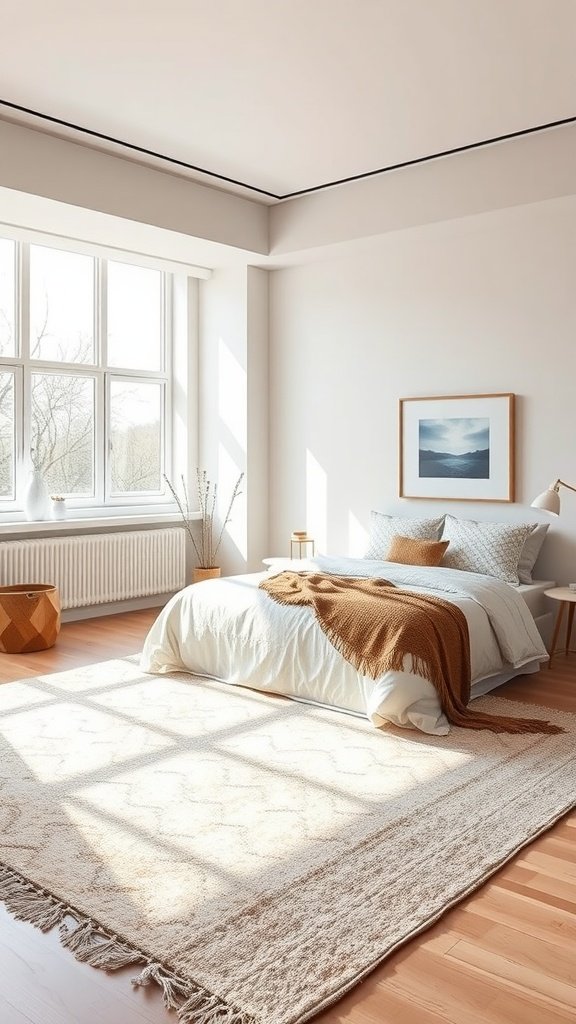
<point x="229" y="629"/>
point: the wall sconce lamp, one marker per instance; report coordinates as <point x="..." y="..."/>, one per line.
<point x="549" y="500"/>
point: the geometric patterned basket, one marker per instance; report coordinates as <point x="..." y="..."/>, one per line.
<point x="29" y="617"/>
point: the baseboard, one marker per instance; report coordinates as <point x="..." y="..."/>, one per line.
<point x="115" y="607"/>
<point x="545" y="624"/>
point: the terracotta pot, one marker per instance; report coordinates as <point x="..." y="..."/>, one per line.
<point x="198" y="575"/>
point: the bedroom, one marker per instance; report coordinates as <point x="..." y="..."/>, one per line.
<point x="448" y="277"/>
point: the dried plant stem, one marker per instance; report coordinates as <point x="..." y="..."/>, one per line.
<point x="206" y="549"/>
<point x="185" y="517"/>
<point x="235" y="494"/>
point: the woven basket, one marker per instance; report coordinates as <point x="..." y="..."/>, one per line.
<point x="201" y="574"/>
<point x="29" y="617"/>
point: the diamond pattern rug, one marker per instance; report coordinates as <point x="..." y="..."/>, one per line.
<point x="253" y="856"/>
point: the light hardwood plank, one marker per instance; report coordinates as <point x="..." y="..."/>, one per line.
<point x="543" y="886"/>
<point x="533" y="978"/>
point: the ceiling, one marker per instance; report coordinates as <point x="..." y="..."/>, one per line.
<point x="288" y="95"/>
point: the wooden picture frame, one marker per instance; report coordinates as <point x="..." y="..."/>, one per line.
<point x="457" y="447"/>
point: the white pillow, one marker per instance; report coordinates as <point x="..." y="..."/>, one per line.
<point x="383" y="528"/>
<point x="530" y="551"/>
<point x="490" y="548"/>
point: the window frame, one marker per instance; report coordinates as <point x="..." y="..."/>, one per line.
<point x="23" y="366"/>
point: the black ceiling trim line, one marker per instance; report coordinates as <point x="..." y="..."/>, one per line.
<point x="135" y="148"/>
<point x="432" y="156"/>
<point x="303" y="191"/>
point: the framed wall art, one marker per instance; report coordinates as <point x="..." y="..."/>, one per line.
<point x="457" y="446"/>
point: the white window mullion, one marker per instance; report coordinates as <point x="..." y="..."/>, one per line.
<point x="100" y="459"/>
<point x="25" y="423"/>
<point x="107" y="440"/>
<point x="102" y="306"/>
<point x="100" y="433"/>
<point x="168" y="364"/>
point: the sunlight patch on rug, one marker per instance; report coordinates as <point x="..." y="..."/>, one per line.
<point x="257" y="857"/>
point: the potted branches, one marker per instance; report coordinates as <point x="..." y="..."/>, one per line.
<point x="207" y="543"/>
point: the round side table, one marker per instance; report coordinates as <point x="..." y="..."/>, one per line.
<point x="567" y="599"/>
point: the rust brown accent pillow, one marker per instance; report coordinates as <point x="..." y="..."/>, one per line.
<point x="410" y="551"/>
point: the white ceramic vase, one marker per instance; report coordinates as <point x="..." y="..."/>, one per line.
<point x="37" y="499"/>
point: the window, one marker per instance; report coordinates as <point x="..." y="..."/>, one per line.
<point x="7" y="435"/>
<point x="84" y="376"/>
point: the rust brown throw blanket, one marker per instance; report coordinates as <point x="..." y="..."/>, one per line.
<point x="374" y="625"/>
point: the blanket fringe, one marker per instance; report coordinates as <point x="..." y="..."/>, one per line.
<point x="93" y="945"/>
<point x="456" y="712"/>
<point x="468" y="718"/>
<point x="289" y="588"/>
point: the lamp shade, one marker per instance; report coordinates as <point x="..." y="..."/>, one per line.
<point x="548" y="501"/>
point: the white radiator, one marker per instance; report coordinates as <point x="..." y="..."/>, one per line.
<point x="101" y="567"/>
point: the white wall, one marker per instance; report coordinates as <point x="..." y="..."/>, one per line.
<point x="452" y="277"/>
<point x="479" y="304"/>
<point x="233" y="405"/>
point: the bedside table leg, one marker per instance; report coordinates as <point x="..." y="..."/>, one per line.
<point x="561" y="611"/>
<point x="569" y="627"/>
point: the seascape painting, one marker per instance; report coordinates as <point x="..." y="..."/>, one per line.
<point x="457" y="447"/>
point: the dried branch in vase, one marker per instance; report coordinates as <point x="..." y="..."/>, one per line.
<point x="207" y="545"/>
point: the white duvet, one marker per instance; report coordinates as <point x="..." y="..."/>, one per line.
<point x="231" y="630"/>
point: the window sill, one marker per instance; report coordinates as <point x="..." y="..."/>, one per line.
<point x="85" y="523"/>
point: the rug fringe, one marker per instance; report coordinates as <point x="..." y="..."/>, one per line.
<point x="174" y="989"/>
<point x="26" y="902"/>
<point x="93" y="945"/>
<point x="203" y="1008"/>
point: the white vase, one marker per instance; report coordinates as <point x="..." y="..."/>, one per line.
<point x="36" y="499"/>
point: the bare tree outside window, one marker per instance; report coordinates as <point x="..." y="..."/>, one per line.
<point x="135" y="421"/>
<point x="6" y="435"/>
<point x="63" y="431"/>
<point x="63" y="413"/>
<point x="65" y="381"/>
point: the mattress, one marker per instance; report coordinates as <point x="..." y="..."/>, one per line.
<point x="533" y="594"/>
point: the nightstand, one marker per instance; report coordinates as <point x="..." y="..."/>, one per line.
<point x="567" y="599"/>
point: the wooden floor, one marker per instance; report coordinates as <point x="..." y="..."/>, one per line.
<point x="506" y="955"/>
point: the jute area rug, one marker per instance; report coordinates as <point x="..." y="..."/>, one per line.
<point x="254" y="856"/>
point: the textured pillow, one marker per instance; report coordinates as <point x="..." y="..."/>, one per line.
<point x="490" y="548"/>
<point x="416" y="552"/>
<point x="530" y="551"/>
<point x="383" y="528"/>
